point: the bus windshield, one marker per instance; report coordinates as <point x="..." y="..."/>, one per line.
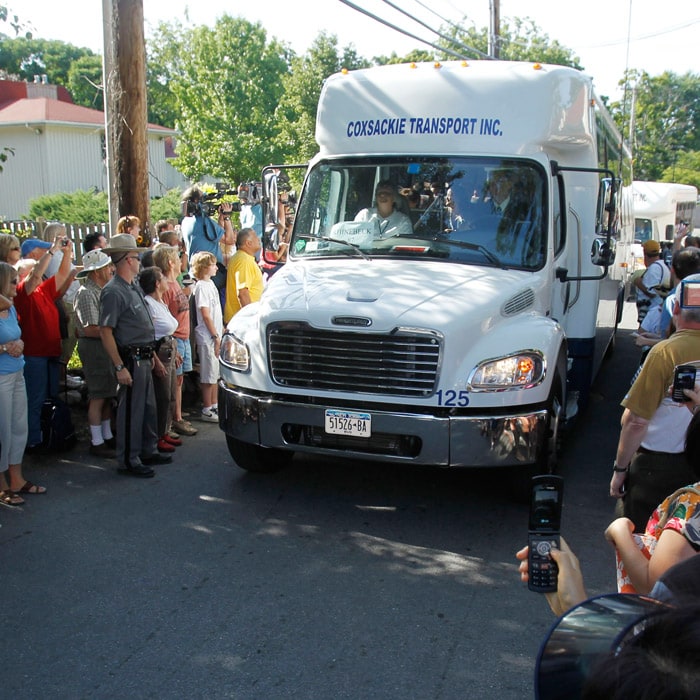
<point x="477" y="211"/>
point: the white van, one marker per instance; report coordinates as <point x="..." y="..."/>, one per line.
<point x="470" y="337"/>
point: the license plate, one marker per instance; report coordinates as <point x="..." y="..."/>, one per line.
<point x="348" y="423"/>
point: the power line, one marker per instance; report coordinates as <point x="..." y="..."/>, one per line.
<point x="402" y="31"/>
<point x="450" y="39"/>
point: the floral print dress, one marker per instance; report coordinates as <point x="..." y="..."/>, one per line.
<point x="680" y="512"/>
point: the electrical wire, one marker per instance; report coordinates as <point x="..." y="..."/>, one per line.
<point x="449" y="39"/>
<point x="402" y="31"/>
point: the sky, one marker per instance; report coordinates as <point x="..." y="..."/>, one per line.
<point x="662" y="35"/>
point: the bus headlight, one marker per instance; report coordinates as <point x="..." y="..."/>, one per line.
<point x="234" y="353"/>
<point x="521" y="371"/>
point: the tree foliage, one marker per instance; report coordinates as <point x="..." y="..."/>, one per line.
<point x="85" y="82"/>
<point x="226" y="94"/>
<point x="666" y="121"/>
<point x="26" y="58"/>
<point x="17" y="25"/>
<point x="163" y="64"/>
<point x="296" y="113"/>
<point x="518" y="40"/>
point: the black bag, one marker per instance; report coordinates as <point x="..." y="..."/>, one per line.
<point x="57" y="428"/>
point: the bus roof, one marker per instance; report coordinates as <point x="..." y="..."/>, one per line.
<point x="480" y="107"/>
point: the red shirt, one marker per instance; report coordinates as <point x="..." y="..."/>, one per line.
<point x="38" y="319"/>
<point x="178" y="304"/>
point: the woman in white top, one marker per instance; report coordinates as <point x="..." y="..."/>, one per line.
<point x="154" y="283"/>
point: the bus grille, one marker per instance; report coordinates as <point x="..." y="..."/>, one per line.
<point x="401" y="363"/>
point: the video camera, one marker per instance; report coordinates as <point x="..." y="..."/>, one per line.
<point x="209" y="202"/>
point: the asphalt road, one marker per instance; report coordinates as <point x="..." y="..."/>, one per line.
<point x="328" y="580"/>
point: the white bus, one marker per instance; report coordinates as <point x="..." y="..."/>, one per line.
<point x="470" y="339"/>
<point x="659" y="207"/>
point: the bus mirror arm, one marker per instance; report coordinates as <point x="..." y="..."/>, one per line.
<point x="602" y="251"/>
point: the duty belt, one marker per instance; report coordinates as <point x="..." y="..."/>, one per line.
<point x="137" y="352"/>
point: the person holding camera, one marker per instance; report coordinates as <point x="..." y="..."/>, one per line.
<point x="649" y="461"/>
<point x="39" y="319"/>
<point x="201" y="233"/>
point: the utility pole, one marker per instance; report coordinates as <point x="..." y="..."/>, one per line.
<point x="494" y="49"/>
<point x="126" y="113"/>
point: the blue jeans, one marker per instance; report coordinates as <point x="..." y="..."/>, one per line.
<point x="41" y="375"/>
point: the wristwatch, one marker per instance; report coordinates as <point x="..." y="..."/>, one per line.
<point x="619" y="469"/>
<point x="119" y="368"/>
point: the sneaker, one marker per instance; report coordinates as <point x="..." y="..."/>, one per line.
<point x="164" y="446"/>
<point x="183" y="427"/>
<point x="209" y="415"/>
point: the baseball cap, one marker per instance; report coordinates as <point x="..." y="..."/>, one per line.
<point x="651" y="247"/>
<point x="584" y="636"/>
<point x="29" y="244"/>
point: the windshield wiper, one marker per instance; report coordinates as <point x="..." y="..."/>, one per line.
<point x="491" y="257"/>
<point x="340" y="241"/>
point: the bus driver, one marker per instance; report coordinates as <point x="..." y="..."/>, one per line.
<point x="391" y="222"/>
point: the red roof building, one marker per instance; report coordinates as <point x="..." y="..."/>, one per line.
<point x="59" y="146"/>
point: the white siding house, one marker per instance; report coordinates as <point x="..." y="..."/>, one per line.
<point x="60" y="147"/>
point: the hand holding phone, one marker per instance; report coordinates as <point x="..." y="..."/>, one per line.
<point x="543" y="532"/>
<point x="683" y="378"/>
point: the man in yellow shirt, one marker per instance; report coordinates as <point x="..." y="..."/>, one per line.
<point x="244" y="280"/>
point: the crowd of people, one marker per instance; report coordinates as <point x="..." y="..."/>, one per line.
<point x="656" y="538"/>
<point x="141" y="316"/>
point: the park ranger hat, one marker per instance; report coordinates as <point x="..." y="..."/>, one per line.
<point x="94" y="260"/>
<point x="122" y="243"/>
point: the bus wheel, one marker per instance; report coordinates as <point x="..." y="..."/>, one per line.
<point x="261" y="460"/>
<point x="521" y="477"/>
<point x="551" y="446"/>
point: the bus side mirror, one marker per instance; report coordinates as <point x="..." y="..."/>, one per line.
<point x="602" y="252"/>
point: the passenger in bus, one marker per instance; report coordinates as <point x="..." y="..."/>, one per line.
<point x="391" y="221"/>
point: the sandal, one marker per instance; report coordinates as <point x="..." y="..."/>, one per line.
<point x="8" y="498"/>
<point x="29" y="487"/>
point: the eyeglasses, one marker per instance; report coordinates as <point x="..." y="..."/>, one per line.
<point x="133" y="257"/>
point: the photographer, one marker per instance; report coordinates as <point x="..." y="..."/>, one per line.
<point x="201" y="233"/>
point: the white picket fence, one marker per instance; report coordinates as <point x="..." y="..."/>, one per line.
<point x="76" y="232"/>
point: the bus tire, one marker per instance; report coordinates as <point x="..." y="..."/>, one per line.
<point x="548" y="458"/>
<point x="257" y="459"/>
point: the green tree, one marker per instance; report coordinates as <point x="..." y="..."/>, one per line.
<point x="26" y="58"/>
<point x="226" y="98"/>
<point x="17" y="25"/>
<point x="85" y="82"/>
<point x="666" y="120"/>
<point x="686" y="169"/>
<point x="296" y="114"/>
<point x="520" y="39"/>
<point x="163" y="64"/>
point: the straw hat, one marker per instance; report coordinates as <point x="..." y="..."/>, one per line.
<point x="122" y="243"/>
